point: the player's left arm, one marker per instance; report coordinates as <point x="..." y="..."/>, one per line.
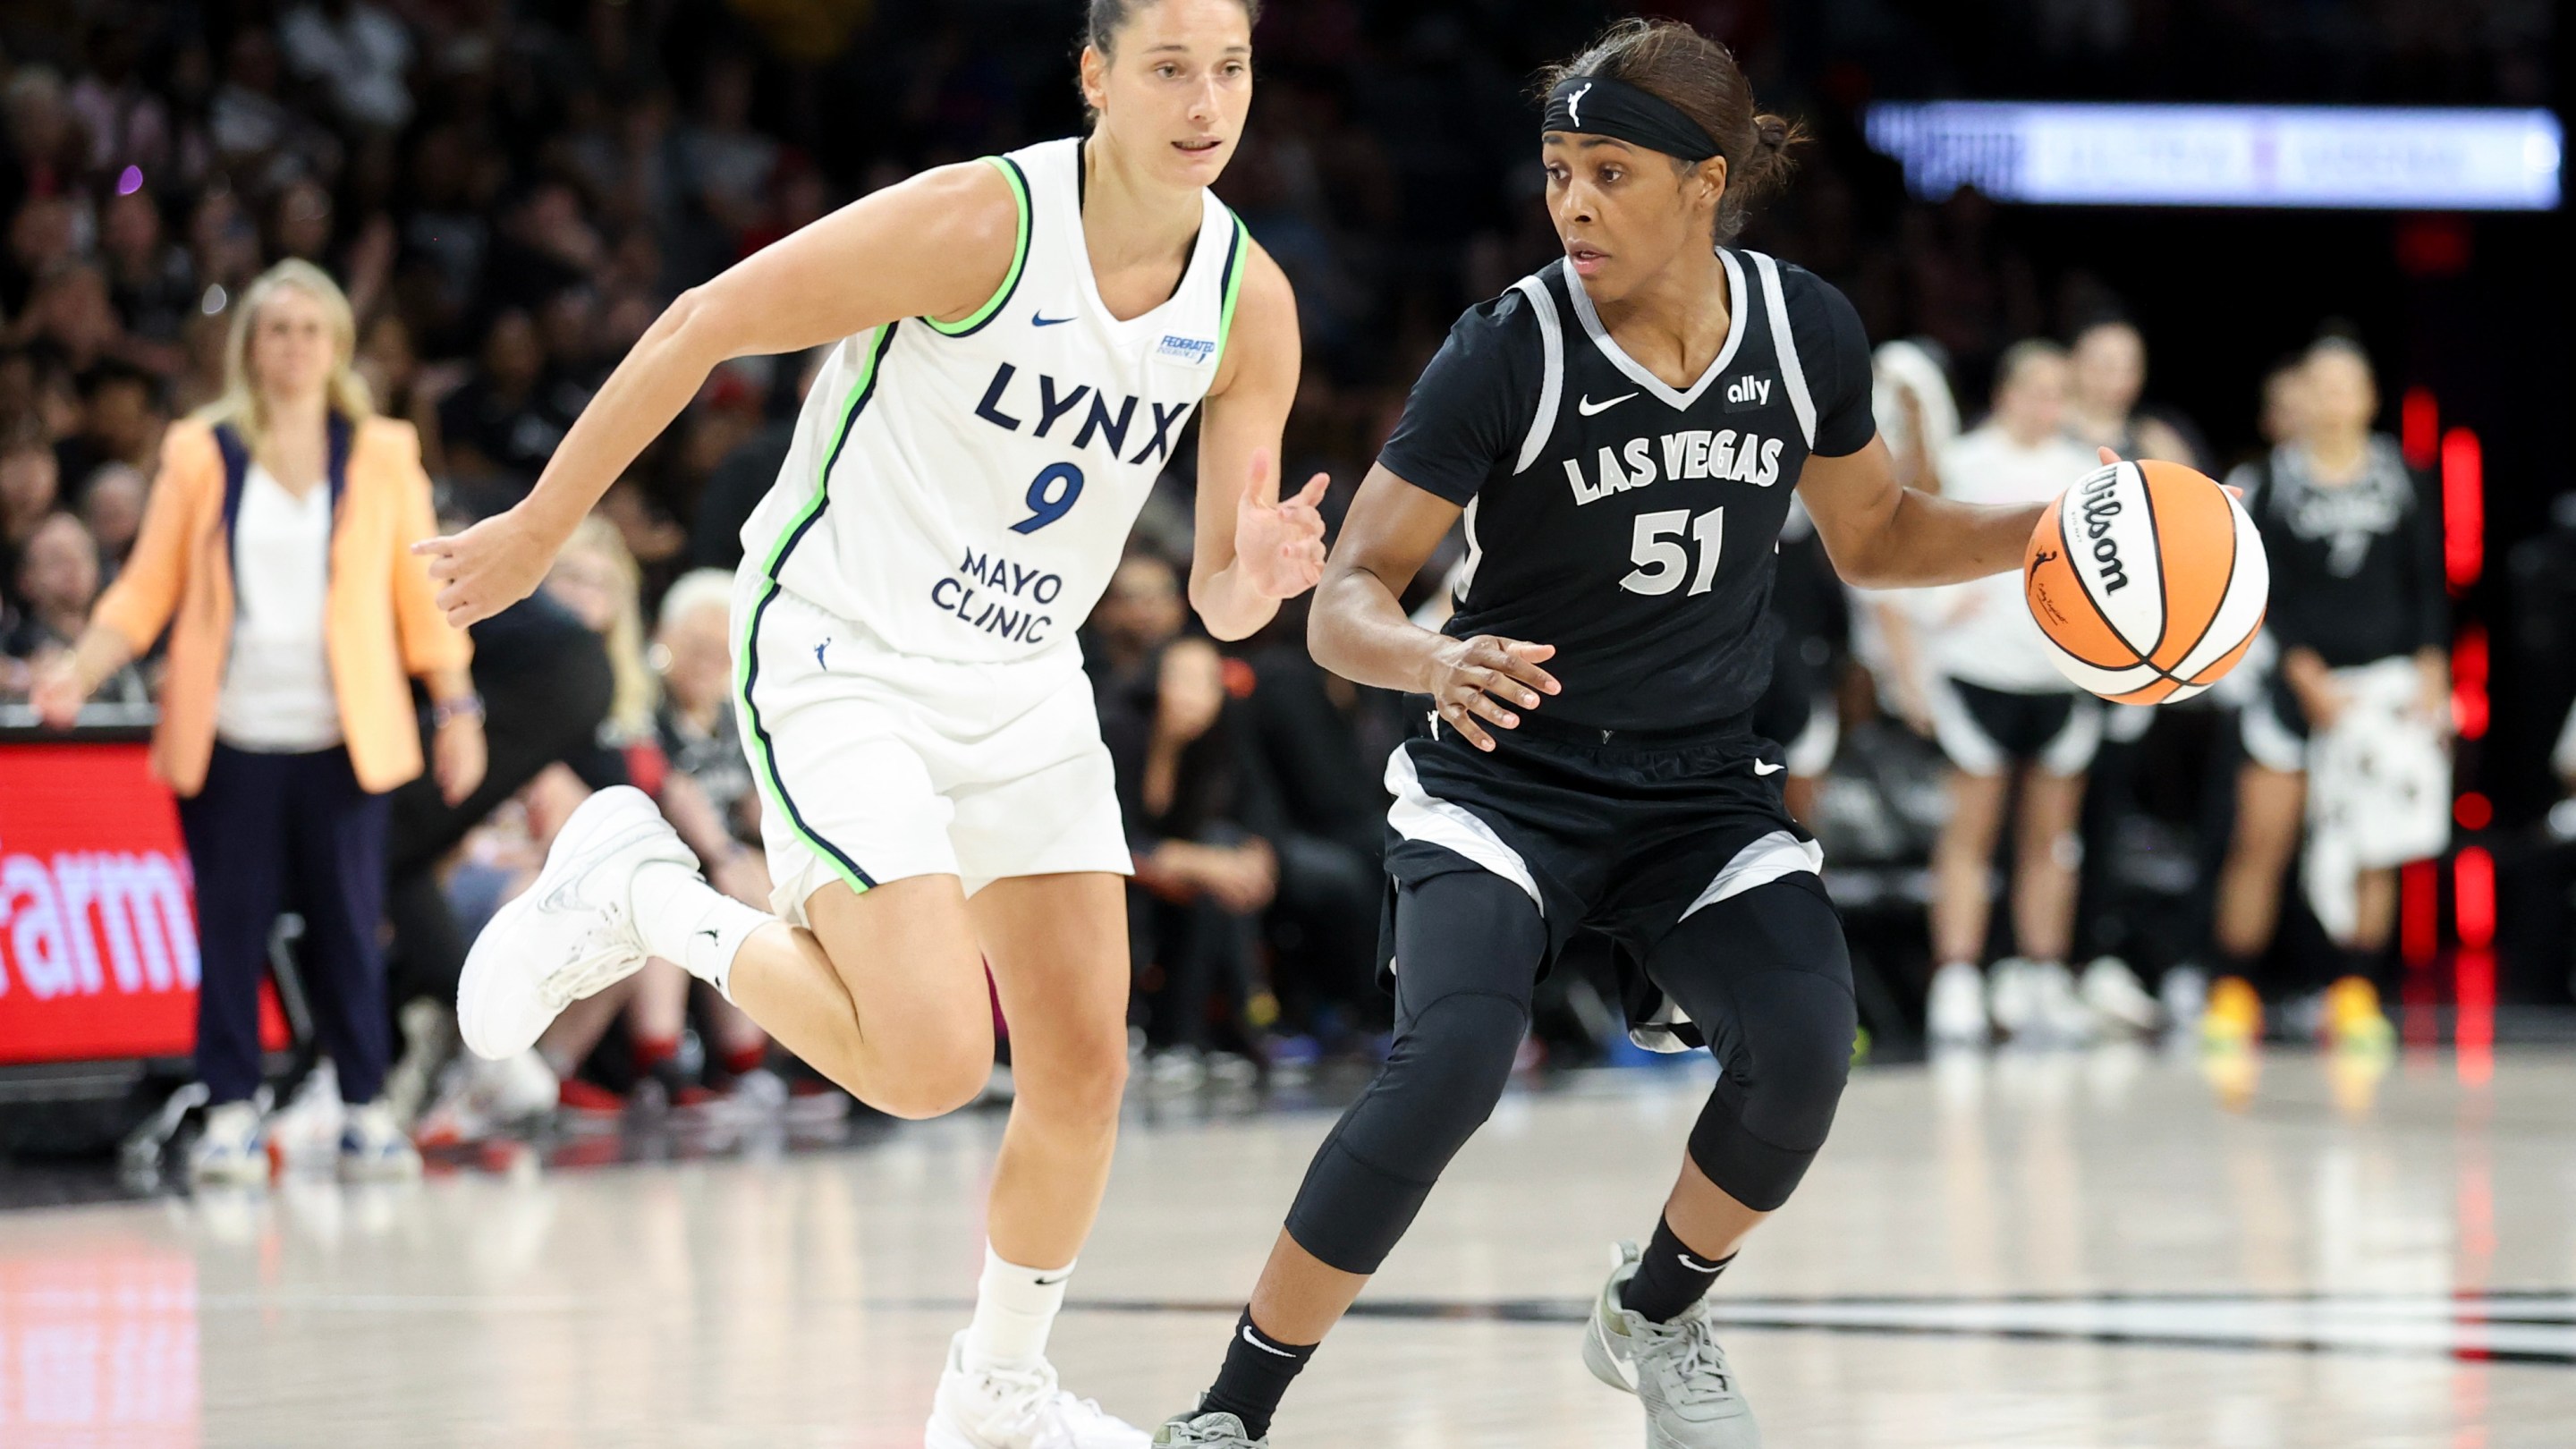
<point x="1253" y="548"/>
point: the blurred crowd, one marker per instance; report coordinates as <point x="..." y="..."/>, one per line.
<point x="510" y="193"/>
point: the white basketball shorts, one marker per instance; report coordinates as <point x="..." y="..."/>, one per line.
<point x="876" y="766"/>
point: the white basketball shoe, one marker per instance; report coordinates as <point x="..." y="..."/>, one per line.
<point x="1955" y="1012"/>
<point x="996" y="1408"/>
<point x="573" y="933"/>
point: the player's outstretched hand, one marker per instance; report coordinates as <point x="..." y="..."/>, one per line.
<point x="1477" y="681"/>
<point x="488" y="567"/>
<point x="1279" y="544"/>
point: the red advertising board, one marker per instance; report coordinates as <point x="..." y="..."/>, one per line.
<point x="98" y="933"/>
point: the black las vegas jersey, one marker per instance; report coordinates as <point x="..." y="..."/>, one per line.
<point x="1632" y="526"/>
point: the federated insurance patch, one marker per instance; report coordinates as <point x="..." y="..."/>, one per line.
<point x="1195" y="350"/>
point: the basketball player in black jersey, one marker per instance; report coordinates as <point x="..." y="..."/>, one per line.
<point x="1623" y="432"/>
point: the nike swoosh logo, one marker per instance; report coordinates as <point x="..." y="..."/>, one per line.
<point x="1045" y="321"/>
<point x="1588" y="407"/>
<point x="715" y="936"/>
<point x="1696" y="1266"/>
<point x="1265" y="1348"/>
<point x="1765" y="767"/>
<point x="1051" y="1282"/>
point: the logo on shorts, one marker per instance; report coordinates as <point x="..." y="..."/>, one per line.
<point x="818" y="654"/>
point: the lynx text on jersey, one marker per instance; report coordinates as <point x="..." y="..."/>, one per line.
<point x="1721" y="455"/>
<point x="991" y="593"/>
<point x="1008" y="404"/>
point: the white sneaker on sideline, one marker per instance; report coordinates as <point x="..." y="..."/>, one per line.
<point x="307" y="1129"/>
<point x="2059" y="1016"/>
<point x="373" y="1147"/>
<point x="572" y="934"/>
<point x="2119" y="1001"/>
<point x="1955" y="1012"/>
<point x="2012" y="996"/>
<point x="232" y="1148"/>
<point x="1017" y="1409"/>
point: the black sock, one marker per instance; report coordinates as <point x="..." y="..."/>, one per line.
<point x="1671" y="1278"/>
<point x="1258" y="1370"/>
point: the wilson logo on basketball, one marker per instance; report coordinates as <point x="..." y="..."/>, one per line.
<point x="2101" y="505"/>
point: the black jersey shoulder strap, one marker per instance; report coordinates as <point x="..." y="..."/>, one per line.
<point x="1551" y="386"/>
<point x="1784" y="343"/>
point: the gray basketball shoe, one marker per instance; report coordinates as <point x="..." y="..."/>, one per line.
<point x="1676" y="1368"/>
<point x="1209" y="1431"/>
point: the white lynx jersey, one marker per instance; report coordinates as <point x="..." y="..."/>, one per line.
<point x="964" y="489"/>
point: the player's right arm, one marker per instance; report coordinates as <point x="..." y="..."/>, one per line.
<point x="1359" y="630"/>
<point x="937" y="245"/>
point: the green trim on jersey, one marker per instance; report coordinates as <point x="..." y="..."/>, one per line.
<point x="773" y="786"/>
<point x="1237" y="265"/>
<point x="1019" y="257"/>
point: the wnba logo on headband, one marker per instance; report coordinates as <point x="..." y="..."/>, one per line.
<point x="1626" y="113"/>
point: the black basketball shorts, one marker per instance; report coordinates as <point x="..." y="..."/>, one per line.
<point x="1621" y="832"/>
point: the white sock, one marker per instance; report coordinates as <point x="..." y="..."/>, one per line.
<point x="1014" y="1308"/>
<point x="684" y="919"/>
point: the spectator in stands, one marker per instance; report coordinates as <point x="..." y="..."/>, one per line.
<point x="112" y="506"/>
<point x="2347" y="745"/>
<point x="1140" y="613"/>
<point x="277" y="550"/>
<point x="2102" y="410"/>
<point x="29" y="492"/>
<point x="58" y="580"/>
<point x="1204" y="872"/>
<point x="693" y="652"/>
<point x="2019" y="736"/>
<point x="150" y="278"/>
<point x="120" y="422"/>
<point x="498" y="428"/>
<point x="1321" y="742"/>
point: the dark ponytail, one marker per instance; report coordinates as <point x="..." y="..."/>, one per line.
<point x="1699" y="76"/>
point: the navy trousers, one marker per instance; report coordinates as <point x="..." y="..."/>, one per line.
<point x="269" y="834"/>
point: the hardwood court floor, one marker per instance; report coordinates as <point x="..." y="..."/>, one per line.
<point x="2049" y="1252"/>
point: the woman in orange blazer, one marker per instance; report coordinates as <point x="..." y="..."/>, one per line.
<point x="276" y="550"/>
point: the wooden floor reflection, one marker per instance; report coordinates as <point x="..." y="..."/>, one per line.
<point x="2053" y="1252"/>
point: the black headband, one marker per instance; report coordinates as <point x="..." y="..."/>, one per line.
<point x="1598" y="105"/>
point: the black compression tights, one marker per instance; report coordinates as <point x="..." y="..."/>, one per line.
<point x="1764" y="973"/>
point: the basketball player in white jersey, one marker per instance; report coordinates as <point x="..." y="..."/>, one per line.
<point x="1016" y="343"/>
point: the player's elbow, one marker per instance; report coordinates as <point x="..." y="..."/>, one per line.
<point x="1868" y="561"/>
<point x="700" y="326"/>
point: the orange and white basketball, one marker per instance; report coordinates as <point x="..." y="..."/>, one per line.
<point x="2149" y="580"/>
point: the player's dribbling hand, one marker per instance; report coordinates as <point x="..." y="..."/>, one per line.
<point x="1279" y="544"/>
<point x="488" y="567"/>
<point x="1476" y="681"/>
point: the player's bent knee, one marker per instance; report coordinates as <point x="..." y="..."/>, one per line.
<point x="1770" y="1114"/>
<point x="930" y="1091"/>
